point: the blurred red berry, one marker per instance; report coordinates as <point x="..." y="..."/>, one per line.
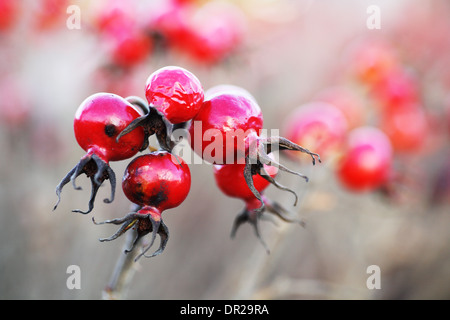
<point x="130" y="48"/>
<point x="169" y="23"/>
<point x="208" y="33"/>
<point x="15" y="110"/>
<point x="346" y="100"/>
<point x="407" y="127"/>
<point x="50" y="13"/>
<point x="9" y="13"/>
<point x="318" y="126"/>
<point x="396" y="88"/>
<point x="114" y="17"/>
<point x="367" y="160"/>
<point x="216" y="29"/>
<point x="370" y="59"/>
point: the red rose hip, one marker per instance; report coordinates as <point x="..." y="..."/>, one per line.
<point x="175" y="96"/>
<point x="231" y="181"/>
<point x="227" y="130"/>
<point x="156" y="182"/>
<point x="98" y="121"/>
<point x="175" y="92"/>
<point x="367" y="162"/>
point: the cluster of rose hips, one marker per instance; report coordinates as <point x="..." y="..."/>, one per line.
<point x="224" y="124"/>
<point x="207" y="32"/>
<point x="46" y="13"/>
<point x="368" y="124"/>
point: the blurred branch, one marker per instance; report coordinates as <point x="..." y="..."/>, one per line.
<point x="123" y="271"/>
<point x="283" y="288"/>
<point x="258" y="266"/>
<point x="125" y="267"/>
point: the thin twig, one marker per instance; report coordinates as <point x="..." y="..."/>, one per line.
<point x="124" y="269"/>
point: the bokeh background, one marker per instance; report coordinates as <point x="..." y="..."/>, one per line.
<point x="284" y="52"/>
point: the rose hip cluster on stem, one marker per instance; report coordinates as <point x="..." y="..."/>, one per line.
<point x="224" y="127"/>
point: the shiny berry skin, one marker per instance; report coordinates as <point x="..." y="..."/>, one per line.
<point x="226" y="131"/>
<point x="231" y="180"/>
<point x="98" y="121"/>
<point x="367" y="161"/>
<point x="221" y="117"/>
<point x="157" y="180"/>
<point x="175" y="92"/>
<point x="175" y="96"/>
<point x="318" y="126"/>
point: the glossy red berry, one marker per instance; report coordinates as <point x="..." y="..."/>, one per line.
<point x="175" y="96"/>
<point x="367" y="161"/>
<point x="159" y="180"/>
<point x="227" y="131"/>
<point x="446" y="116"/>
<point x="98" y="121"/>
<point x="231" y="181"/>
<point x="156" y="182"/>
<point x="224" y="122"/>
<point x="175" y="92"/>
